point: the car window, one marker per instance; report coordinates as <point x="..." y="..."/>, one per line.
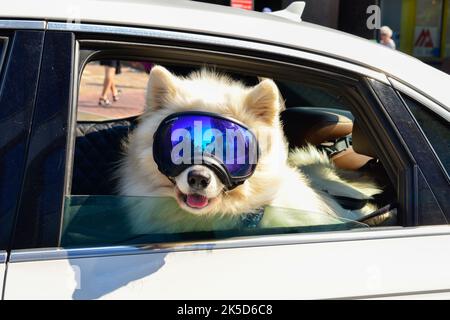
<point x="192" y="153"/>
<point x="435" y="128"/>
<point x="2" y="51"/>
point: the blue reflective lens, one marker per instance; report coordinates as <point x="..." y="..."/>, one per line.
<point x="192" y="138"/>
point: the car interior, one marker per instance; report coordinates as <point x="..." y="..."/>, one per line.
<point x="312" y="115"/>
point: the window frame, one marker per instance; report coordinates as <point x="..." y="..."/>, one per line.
<point x="13" y="60"/>
<point x="312" y="62"/>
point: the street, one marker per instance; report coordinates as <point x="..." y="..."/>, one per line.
<point x="131" y="82"/>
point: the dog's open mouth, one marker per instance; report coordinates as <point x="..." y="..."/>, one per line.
<point x="194" y="200"/>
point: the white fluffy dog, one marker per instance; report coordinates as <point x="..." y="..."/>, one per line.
<point x="276" y="182"/>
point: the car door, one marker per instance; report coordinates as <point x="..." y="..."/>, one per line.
<point x="407" y="260"/>
<point x="20" y="54"/>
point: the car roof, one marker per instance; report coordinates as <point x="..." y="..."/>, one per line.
<point x="218" y="20"/>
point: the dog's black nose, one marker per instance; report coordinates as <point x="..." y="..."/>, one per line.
<point x="198" y="179"/>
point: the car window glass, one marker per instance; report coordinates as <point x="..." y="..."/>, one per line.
<point x="435" y="128"/>
<point x="447" y="33"/>
<point x="3" y="218"/>
<point x="129" y="186"/>
<point x="301" y="95"/>
<point x="2" y="52"/>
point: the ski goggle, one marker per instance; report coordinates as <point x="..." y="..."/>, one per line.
<point x="224" y="145"/>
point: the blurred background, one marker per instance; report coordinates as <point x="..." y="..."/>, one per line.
<point x="421" y="28"/>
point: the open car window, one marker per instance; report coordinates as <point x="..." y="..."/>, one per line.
<point x="110" y="202"/>
<point x="6" y="179"/>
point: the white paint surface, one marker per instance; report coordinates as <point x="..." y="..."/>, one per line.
<point x="361" y="268"/>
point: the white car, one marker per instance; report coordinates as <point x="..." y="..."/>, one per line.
<point x="52" y="247"/>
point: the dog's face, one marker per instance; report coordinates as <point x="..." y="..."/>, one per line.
<point x="198" y="189"/>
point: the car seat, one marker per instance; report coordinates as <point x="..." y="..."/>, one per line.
<point x="331" y="131"/>
<point x="340" y="135"/>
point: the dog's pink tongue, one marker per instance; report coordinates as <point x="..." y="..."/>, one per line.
<point x="196" y="201"/>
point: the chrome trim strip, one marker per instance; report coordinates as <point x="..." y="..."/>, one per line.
<point x="23" y="24"/>
<point x="442" y="111"/>
<point x="244" y="242"/>
<point x="3" y="256"/>
<point x="216" y="40"/>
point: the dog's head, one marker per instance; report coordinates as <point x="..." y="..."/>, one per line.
<point x="198" y="189"/>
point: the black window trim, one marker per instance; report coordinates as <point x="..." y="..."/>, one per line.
<point x="426" y="162"/>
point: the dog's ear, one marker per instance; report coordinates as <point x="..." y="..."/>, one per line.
<point x="263" y="101"/>
<point x="161" y="87"/>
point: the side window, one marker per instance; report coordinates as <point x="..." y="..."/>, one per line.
<point x="435" y="128"/>
<point x="2" y="51"/>
<point x="170" y="152"/>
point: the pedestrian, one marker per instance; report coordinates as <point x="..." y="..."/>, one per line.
<point x="112" y="67"/>
<point x="386" y="37"/>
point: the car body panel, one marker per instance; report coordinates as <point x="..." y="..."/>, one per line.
<point x="403" y="266"/>
<point x="204" y="18"/>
